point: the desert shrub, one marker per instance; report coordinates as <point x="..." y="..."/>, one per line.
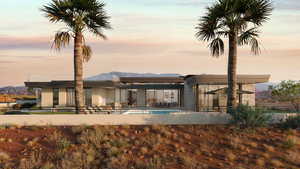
<point x="92" y="137"/>
<point x="292" y="122"/>
<point x="83" y="159"/>
<point x="78" y="129"/>
<point x="187" y="161"/>
<point x="289" y="144"/>
<point x="153" y="163"/>
<point x="16" y="113"/>
<point x="247" y="117"/>
<point x="61" y="143"/>
<point x="17" y="106"/>
<point x="27" y="105"/>
<point x="35" y="161"/>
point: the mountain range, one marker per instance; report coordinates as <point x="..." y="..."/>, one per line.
<point x="117" y="75"/>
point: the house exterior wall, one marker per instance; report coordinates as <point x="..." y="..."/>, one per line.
<point x="47" y="97"/>
<point x="116" y="97"/>
<point x="189" y="97"/>
<point x="6" y="105"/>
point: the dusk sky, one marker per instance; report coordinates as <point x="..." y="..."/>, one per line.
<point x="155" y="36"/>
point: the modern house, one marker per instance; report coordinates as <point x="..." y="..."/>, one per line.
<point x="191" y="92"/>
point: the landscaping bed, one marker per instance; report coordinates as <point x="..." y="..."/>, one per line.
<point x="143" y="147"/>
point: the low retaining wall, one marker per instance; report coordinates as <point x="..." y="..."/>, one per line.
<point x="140" y="119"/>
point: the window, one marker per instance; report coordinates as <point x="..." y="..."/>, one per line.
<point x="70" y="97"/>
<point x="215" y="101"/>
<point x="55" y="96"/>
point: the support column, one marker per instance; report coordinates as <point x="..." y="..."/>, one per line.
<point x="117" y="97"/>
<point x="189" y="97"/>
<point x="240" y="94"/>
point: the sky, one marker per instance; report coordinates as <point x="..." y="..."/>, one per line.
<point x="152" y="36"/>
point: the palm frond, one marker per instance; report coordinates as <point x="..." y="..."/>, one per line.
<point x="79" y="15"/>
<point x="258" y="11"/>
<point x="59" y="11"/>
<point x="86" y="53"/>
<point x="246" y="36"/>
<point x="249" y="37"/>
<point x="211" y="23"/>
<point x="255" y="48"/>
<point x="61" y="39"/>
<point x="216" y="47"/>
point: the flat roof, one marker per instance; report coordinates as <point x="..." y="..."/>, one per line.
<point x="70" y="84"/>
<point x="152" y="79"/>
<point x="190" y="79"/>
<point x="223" y="79"/>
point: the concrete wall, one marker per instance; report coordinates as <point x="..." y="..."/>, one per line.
<point x="189" y="97"/>
<point x="100" y="97"/>
<point x="62" y="97"/>
<point x="47" y="97"/>
<point x="6" y="105"/>
<point x="142" y="119"/>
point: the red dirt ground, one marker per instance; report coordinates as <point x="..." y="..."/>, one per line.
<point x="179" y="147"/>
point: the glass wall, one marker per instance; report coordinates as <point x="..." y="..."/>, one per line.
<point x="55" y="97"/>
<point x="87" y="97"/>
<point x="128" y="97"/>
<point x="163" y="98"/>
<point x="211" y="97"/>
<point x="154" y="98"/>
<point x="70" y="97"/>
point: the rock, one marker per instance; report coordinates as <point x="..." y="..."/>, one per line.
<point x="4" y="156"/>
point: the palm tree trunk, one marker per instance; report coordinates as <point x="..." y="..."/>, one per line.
<point x="78" y="73"/>
<point x="232" y="69"/>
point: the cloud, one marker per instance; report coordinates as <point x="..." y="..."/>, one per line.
<point x="287" y="4"/>
<point x="9" y="42"/>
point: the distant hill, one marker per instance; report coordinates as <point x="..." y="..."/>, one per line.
<point x="18" y="90"/>
<point x="117" y="75"/>
<point x="264" y="86"/>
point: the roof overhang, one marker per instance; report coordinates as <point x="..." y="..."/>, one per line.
<point x="223" y="80"/>
<point x="153" y="86"/>
<point x="152" y="80"/>
<point x="70" y="84"/>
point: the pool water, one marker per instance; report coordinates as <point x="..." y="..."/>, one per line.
<point x="150" y="111"/>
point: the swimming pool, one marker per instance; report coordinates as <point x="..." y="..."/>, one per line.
<point x="151" y="111"/>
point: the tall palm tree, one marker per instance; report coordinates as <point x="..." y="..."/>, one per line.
<point x="79" y="16"/>
<point x="237" y="20"/>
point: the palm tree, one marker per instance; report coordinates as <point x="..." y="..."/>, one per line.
<point x="237" y="20"/>
<point x="79" y="16"/>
